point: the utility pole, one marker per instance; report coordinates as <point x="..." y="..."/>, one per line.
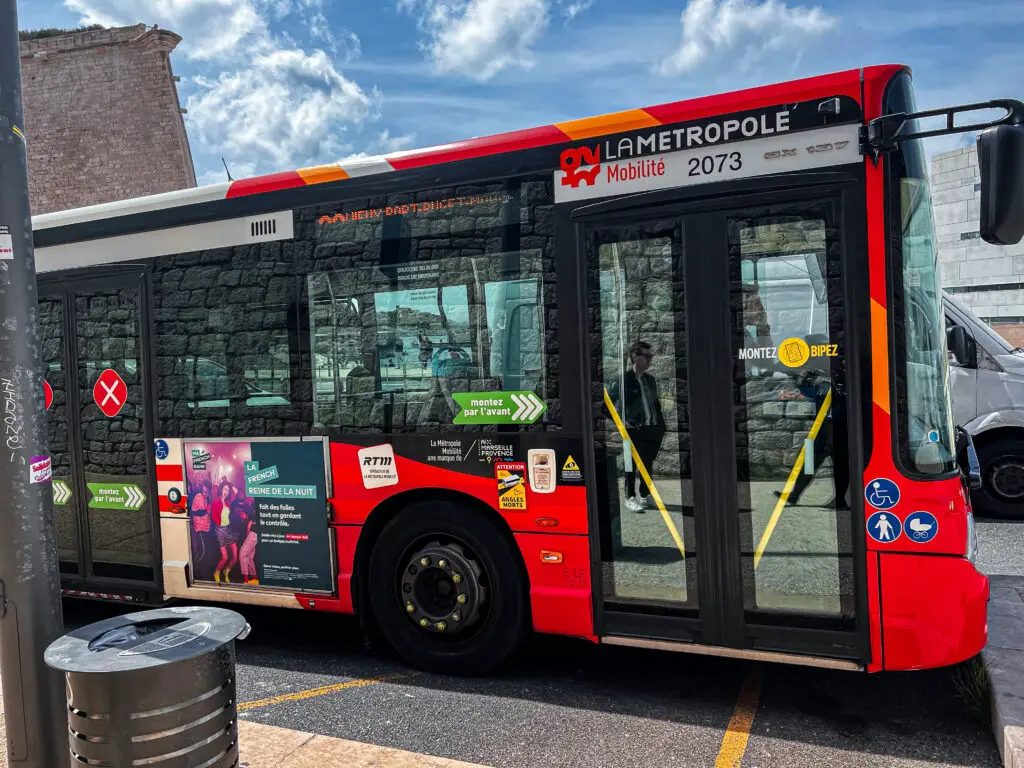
<point x="30" y="609"/>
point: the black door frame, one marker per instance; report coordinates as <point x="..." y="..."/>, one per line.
<point x="65" y="286"/>
<point x="721" y="620"/>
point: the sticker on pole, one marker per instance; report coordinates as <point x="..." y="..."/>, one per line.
<point x="498" y="407"/>
<point x="47" y="394"/>
<point x="921" y="527"/>
<point x="40" y="469"/>
<point x="6" y="243"/>
<point x="882" y="493"/>
<point x="161" y="449"/>
<point x="884" y="527"/>
<point x="110" y="393"/>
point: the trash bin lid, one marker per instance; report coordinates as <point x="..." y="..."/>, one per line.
<point x="145" y="639"/>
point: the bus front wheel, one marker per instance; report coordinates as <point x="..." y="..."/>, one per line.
<point x="447" y="588"/>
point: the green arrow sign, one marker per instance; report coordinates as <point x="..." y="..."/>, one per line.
<point x="498" y="407"/>
<point x="61" y="492"/>
<point x="115" y="496"/>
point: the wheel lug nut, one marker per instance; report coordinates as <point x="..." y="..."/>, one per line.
<point x="410" y="607"/>
<point x="456" y="616"/>
<point x="442" y="563"/>
<point x="462" y="599"/>
<point x="424" y="623"/>
<point x="456" y="577"/>
<point x="424" y="561"/>
<point x="441" y="626"/>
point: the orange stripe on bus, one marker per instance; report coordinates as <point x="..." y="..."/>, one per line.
<point x="320" y="174"/>
<point x="879" y="356"/>
<point x="616" y="122"/>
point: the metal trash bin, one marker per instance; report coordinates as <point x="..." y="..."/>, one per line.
<point x="155" y="687"/>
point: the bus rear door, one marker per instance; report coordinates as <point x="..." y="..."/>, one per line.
<point x="100" y="432"/>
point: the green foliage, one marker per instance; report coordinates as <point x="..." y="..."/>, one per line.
<point x="973" y="685"/>
<point x="39" y="34"/>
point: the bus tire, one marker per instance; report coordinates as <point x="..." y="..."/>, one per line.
<point x="447" y="589"/>
<point x="1002" y="479"/>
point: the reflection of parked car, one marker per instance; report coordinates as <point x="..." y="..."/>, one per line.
<point x="987" y="390"/>
<point x="209" y="387"/>
<point x="450" y="361"/>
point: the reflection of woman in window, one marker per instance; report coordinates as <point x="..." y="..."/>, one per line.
<point x="226" y="536"/>
<point x="247" y="554"/>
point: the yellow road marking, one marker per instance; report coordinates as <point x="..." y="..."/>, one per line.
<point x="791" y="481"/>
<point x="323" y="690"/>
<point x="734" y="743"/>
<point x="645" y="475"/>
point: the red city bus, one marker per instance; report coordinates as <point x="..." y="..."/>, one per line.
<point x="673" y="377"/>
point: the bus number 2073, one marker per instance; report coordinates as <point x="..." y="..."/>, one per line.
<point x="705" y="166"/>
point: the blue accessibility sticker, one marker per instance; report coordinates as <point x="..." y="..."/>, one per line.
<point x="174" y="495"/>
<point x="161" y="449"/>
<point x="884" y="527"/>
<point x="921" y="527"/>
<point x="882" y="493"/>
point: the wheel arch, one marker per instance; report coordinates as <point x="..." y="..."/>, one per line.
<point x="1003" y="432"/>
<point x="388" y="509"/>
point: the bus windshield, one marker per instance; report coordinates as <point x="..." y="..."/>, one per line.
<point x="924" y="419"/>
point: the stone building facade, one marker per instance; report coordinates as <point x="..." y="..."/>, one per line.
<point x="988" y="279"/>
<point x="102" y="117"/>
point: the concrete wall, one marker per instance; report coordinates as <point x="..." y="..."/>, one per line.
<point x="102" y="117"/>
<point x="986" y="278"/>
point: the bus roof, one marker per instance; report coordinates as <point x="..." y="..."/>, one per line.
<point x="847" y="82"/>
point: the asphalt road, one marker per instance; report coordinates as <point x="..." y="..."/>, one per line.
<point x="567" y="703"/>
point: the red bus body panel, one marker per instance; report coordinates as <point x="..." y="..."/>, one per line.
<point x="933" y="611"/>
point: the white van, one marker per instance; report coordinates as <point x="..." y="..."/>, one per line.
<point x="987" y="390"/>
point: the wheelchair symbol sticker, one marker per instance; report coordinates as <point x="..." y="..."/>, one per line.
<point x="884" y="527"/>
<point x="161" y="449"/>
<point x="921" y="527"/>
<point x="882" y="493"/>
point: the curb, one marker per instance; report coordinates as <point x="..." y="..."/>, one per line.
<point x="1004" y="659"/>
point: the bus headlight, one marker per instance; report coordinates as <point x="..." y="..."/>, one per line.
<point x="972" y="539"/>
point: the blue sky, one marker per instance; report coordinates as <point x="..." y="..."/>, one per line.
<point x="277" y="84"/>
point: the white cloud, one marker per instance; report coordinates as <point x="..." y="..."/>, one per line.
<point x="573" y="8"/>
<point x="480" y="38"/>
<point x="260" y="99"/>
<point x="743" y="32"/>
<point x="210" y="29"/>
<point x="288" y="106"/>
<point x="384" y="144"/>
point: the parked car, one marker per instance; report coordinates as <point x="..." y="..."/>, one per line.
<point x="987" y="390"/>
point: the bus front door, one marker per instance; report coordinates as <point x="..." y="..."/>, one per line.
<point x="718" y="391"/>
<point x="99" y="429"/>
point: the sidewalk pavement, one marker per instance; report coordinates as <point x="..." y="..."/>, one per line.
<point x="265" y="746"/>
<point x="1004" y="657"/>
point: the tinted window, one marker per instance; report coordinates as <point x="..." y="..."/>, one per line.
<point x="416" y="298"/>
<point x="371" y="319"/>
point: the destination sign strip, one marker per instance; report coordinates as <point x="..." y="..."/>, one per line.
<point x="805" y="150"/>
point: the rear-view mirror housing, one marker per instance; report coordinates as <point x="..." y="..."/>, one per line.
<point x="1001" y="162"/>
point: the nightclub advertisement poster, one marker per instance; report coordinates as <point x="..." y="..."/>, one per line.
<point x="258" y="513"/>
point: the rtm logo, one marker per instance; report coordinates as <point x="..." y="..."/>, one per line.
<point x="377" y="461"/>
<point x="571" y="160"/>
